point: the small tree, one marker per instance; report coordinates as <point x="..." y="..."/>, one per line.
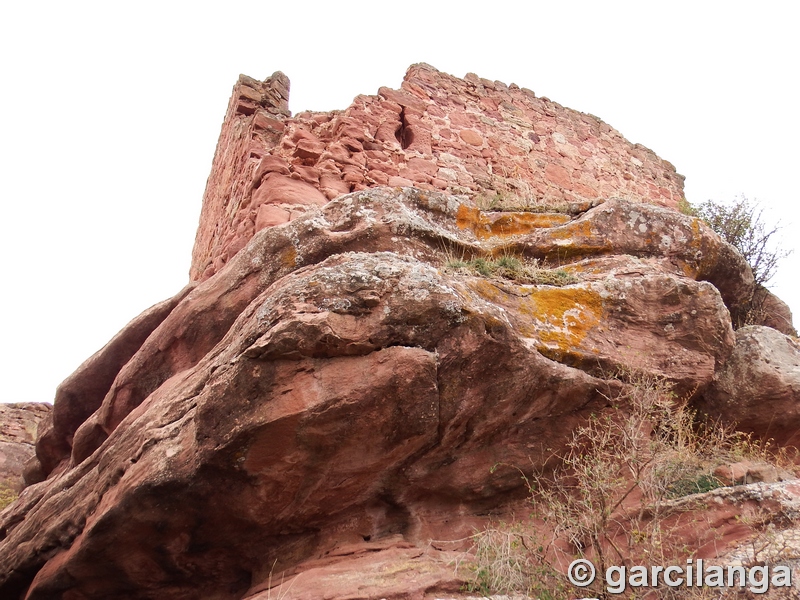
<point x="741" y="224"/>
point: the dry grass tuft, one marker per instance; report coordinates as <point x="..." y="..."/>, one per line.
<point x="513" y="269"/>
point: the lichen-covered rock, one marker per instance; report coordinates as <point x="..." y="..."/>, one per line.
<point x="332" y="391"/>
<point x="337" y="382"/>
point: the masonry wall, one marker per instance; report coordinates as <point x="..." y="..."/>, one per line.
<point x="465" y="136"/>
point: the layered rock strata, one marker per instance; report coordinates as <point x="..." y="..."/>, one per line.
<point x="333" y="391"/>
<point x="335" y="382"/>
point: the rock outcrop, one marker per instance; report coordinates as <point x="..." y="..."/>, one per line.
<point x="18" y="424"/>
<point x="759" y="386"/>
<point x="769" y="310"/>
<point x="333" y="390"/>
<point x="352" y="388"/>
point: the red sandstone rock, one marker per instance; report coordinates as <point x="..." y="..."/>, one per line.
<point x="758" y="388"/>
<point x="746" y="471"/>
<point x="471" y="137"/>
<point x="504" y="137"/>
<point x="330" y="395"/>
<point x="240" y="424"/>
<point x="390" y="568"/>
<point x="81" y="393"/>
<point x="276" y="188"/>
<point x="18" y="424"/>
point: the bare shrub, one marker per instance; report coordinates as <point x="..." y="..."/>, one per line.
<point x="742" y="224"/>
<point x="612" y="498"/>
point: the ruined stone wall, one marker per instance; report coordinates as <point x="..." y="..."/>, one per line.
<point x="253" y="127"/>
<point x="464" y="136"/>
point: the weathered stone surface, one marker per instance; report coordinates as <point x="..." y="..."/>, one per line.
<point x="742" y="525"/>
<point x="389" y="568"/>
<point x="748" y="471"/>
<point x="728" y="524"/>
<point x="771" y="311"/>
<point x="254" y="123"/>
<point x="759" y="386"/>
<point x="437" y="132"/>
<point x="18" y="424"/>
<point x="80" y="394"/>
<point x="331" y="394"/>
<point x="335" y="382"/>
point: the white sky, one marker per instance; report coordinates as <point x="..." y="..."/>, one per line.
<point x="110" y="112"/>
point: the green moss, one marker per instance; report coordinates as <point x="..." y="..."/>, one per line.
<point x="694" y="485"/>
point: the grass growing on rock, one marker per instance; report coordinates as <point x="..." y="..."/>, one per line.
<point x="501" y="201"/>
<point x="513" y="269"/>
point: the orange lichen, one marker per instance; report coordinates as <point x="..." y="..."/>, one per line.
<point x="288" y="258"/>
<point x="581" y="228"/>
<point x="493" y="224"/>
<point x="488" y="290"/>
<point x="577" y="239"/>
<point x="707" y="253"/>
<point x="563" y="316"/>
<point x="559" y="318"/>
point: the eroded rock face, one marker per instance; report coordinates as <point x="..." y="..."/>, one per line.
<point x="18" y="424"/>
<point x="330" y="393"/>
<point x="771" y="311"/>
<point x="437" y="132"/>
<point x="759" y="387"/>
<point x="336" y="382"/>
<point x="81" y="394"/>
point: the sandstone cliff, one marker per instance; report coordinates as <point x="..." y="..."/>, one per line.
<point x="335" y="386"/>
<point x="18" y="425"/>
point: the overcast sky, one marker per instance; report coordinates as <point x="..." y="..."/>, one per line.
<point x="110" y="113"/>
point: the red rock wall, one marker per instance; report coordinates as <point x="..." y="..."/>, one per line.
<point x="463" y="136"/>
<point x="18" y="424"/>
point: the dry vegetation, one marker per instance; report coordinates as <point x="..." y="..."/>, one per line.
<point x="513" y="269"/>
<point x="612" y="500"/>
<point x="743" y="225"/>
<point x="511" y="201"/>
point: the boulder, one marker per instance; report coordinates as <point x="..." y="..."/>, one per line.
<point x="758" y="389"/>
<point x="771" y="311"/>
